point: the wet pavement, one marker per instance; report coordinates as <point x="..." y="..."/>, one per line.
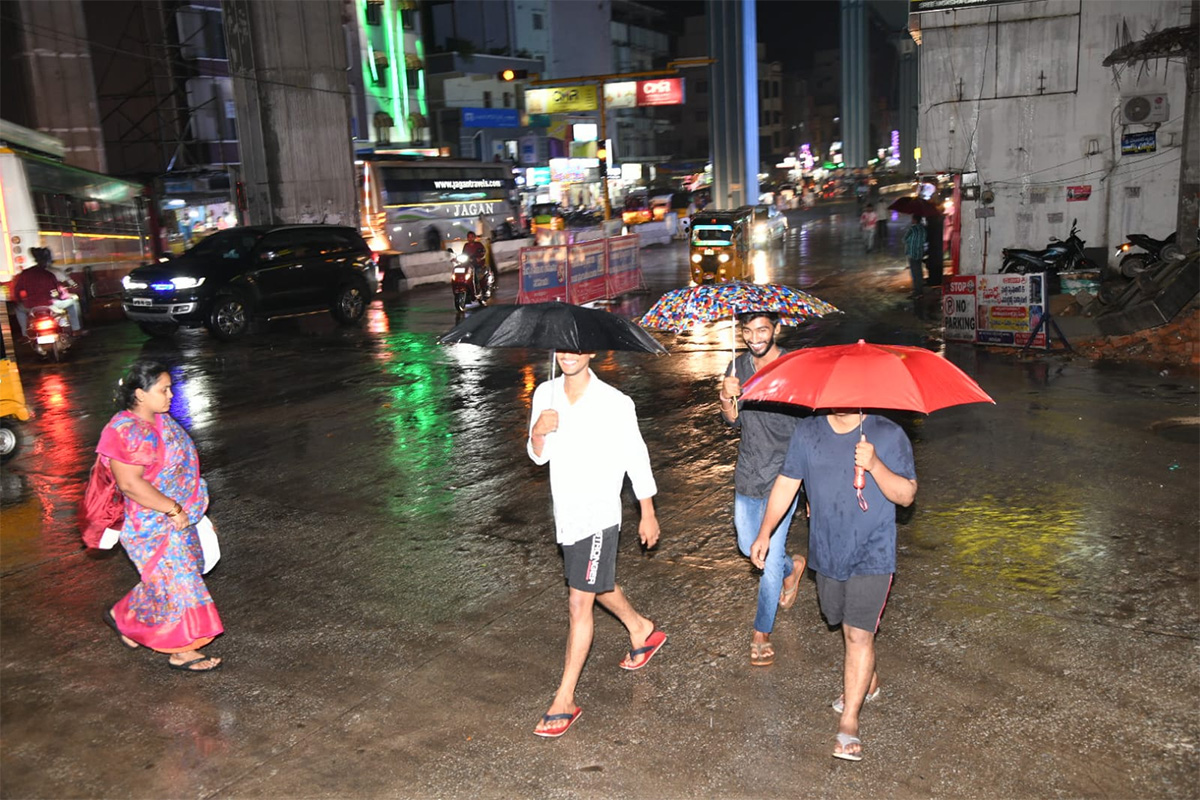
<point x="396" y="615"/>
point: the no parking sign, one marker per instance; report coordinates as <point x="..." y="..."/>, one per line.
<point x="958" y="308"/>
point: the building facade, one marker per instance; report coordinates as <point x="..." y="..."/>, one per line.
<point x="1045" y="129"/>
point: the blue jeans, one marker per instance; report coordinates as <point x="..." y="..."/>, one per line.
<point x="747" y="517"/>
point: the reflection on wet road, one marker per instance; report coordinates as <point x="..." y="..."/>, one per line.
<point x="380" y="513"/>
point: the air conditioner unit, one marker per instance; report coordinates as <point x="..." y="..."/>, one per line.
<point x="1143" y="109"/>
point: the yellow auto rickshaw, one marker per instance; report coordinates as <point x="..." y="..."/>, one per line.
<point x="13" y="410"/>
<point x="720" y="246"/>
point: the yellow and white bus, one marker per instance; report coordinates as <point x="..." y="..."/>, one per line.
<point x="96" y="226"/>
<point x="409" y="205"/>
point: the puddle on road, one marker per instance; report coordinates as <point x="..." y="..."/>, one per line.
<point x="996" y="542"/>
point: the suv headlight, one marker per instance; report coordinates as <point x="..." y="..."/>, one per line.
<point x="696" y="258"/>
<point x="186" y="283"/>
<point x="723" y="258"/>
<point x="130" y="284"/>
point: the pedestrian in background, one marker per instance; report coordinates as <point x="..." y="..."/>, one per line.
<point x="867" y="221"/>
<point x="764" y="441"/>
<point x="155" y="467"/>
<point x="914" y="248"/>
<point x="588" y="432"/>
<point x="851" y="539"/>
<point x="882" y="213"/>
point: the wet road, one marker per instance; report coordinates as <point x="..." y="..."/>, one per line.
<point x="396" y="615"/>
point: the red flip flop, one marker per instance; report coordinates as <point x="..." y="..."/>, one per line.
<point x="654" y="643"/>
<point x="554" y="733"/>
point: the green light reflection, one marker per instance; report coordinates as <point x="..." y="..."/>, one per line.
<point x="421" y="457"/>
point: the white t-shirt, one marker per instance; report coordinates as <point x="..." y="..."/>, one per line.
<point x="596" y="444"/>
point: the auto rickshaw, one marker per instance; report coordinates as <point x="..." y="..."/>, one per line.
<point x="13" y="410"/>
<point x="720" y="246"/>
<point x="546" y="217"/>
<point x="636" y="209"/>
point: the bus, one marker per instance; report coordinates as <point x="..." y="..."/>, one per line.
<point x="97" y="227"/>
<point x="413" y="204"/>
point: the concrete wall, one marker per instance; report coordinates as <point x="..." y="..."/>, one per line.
<point x="1017" y="93"/>
<point x="288" y="59"/>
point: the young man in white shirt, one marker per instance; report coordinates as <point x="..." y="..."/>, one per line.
<point x="588" y="432"/>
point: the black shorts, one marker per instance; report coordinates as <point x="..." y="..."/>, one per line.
<point x="591" y="563"/>
<point x="857" y="602"/>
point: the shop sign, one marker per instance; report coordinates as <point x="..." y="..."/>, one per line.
<point x="621" y="95"/>
<point x="1076" y="194"/>
<point x="529" y="151"/>
<point x="660" y="92"/>
<point x="537" y="176"/>
<point x="561" y="100"/>
<point x="1141" y="142"/>
<point x="958" y="308"/>
<point x="490" y="118"/>
<point x="1008" y="308"/>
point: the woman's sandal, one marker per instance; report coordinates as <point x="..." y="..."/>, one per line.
<point x="125" y="641"/>
<point x="187" y="665"/>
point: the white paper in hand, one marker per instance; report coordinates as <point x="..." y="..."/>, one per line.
<point x="208" y="543"/>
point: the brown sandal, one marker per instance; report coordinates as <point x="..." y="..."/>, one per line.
<point x="787" y="598"/>
<point x="762" y="654"/>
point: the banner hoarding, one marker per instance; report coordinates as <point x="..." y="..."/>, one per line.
<point x="585" y="278"/>
<point x="543" y="274"/>
<point x="1008" y="308"/>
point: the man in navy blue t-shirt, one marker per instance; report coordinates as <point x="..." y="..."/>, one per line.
<point x="852" y="543"/>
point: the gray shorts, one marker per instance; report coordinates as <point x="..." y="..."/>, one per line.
<point x="591" y="564"/>
<point x="857" y="602"/>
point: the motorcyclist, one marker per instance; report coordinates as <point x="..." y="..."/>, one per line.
<point x="39" y="286"/>
<point x="476" y="252"/>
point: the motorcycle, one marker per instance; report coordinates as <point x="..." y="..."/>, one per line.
<point x="1060" y="256"/>
<point x="471" y="282"/>
<point x="48" y="330"/>
<point x="1133" y="264"/>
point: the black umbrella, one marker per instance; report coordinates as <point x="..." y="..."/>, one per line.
<point x="915" y="205"/>
<point x="551" y="326"/>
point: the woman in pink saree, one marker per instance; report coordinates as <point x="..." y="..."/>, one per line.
<point x="155" y="466"/>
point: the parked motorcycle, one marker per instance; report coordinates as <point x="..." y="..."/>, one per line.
<point x="1155" y="250"/>
<point x="471" y="282"/>
<point x="1061" y="256"/>
<point x="48" y="330"/>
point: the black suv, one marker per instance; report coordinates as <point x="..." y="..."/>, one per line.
<point x="235" y="275"/>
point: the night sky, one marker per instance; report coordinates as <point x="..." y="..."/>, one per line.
<point x="791" y="29"/>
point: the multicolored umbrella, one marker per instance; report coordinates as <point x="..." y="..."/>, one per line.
<point x="678" y="310"/>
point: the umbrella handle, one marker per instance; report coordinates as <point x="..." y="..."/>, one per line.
<point x="860" y="479"/>
<point x="733" y="352"/>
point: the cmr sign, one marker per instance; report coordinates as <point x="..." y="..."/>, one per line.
<point x="660" y="92"/>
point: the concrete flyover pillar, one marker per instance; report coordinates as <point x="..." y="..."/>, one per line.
<point x="53" y="66"/>
<point x="855" y="102"/>
<point x="292" y="97"/>
<point x="733" y="116"/>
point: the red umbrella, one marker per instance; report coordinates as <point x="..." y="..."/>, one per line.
<point x="861" y="376"/>
<point x="865" y="375"/>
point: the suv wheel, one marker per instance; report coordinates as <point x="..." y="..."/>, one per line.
<point x="229" y="317"/>
<point x="350" y="303"/>
<point x="158" y="329"/>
